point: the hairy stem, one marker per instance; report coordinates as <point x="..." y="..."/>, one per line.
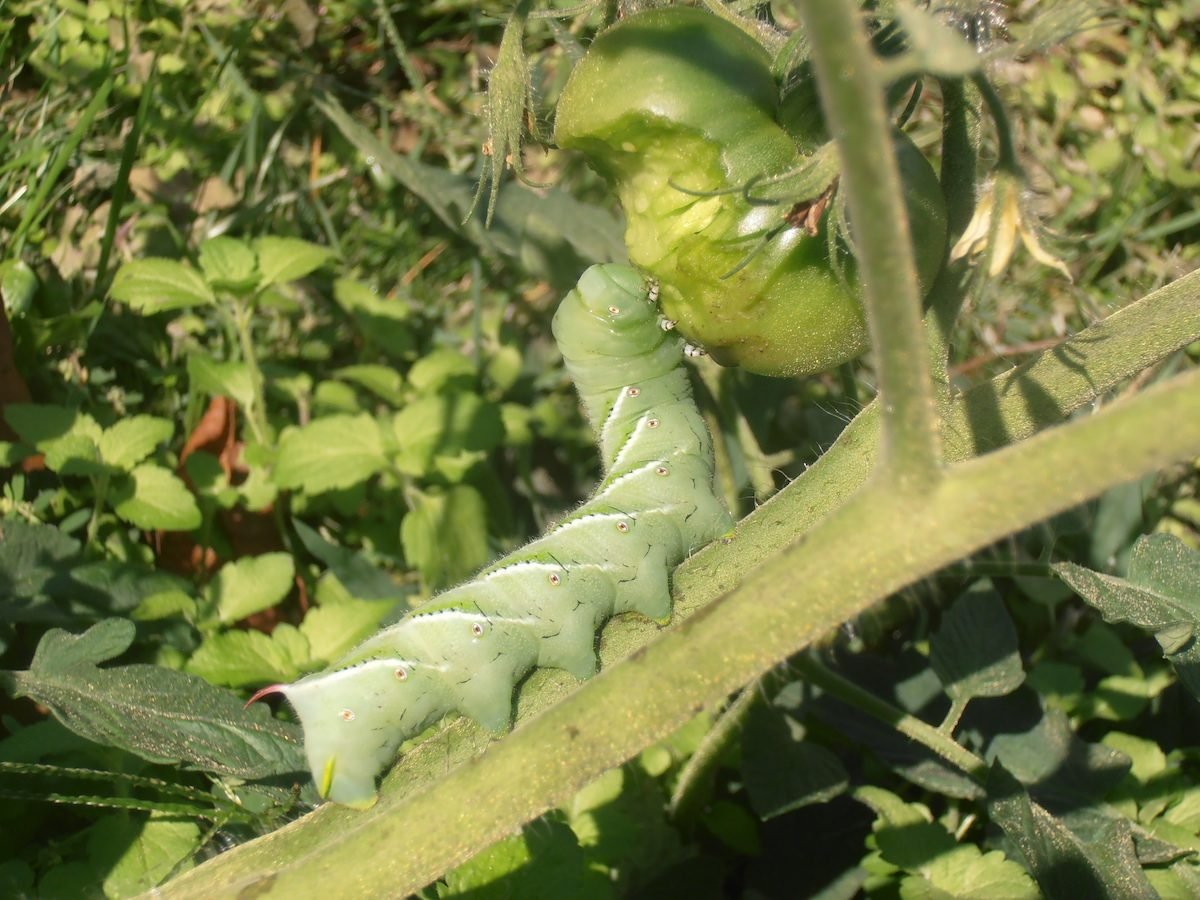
<point x="852" y="96"/>
<point x="816" y="672"/>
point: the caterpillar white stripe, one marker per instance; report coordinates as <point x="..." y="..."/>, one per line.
<point x="465" y="651"/>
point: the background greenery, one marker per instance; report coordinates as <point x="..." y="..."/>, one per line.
<point x="238" y="477"/>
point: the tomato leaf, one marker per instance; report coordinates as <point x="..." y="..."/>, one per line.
<point x="158" y="714"/>
<point x="151" y="497"/>
<point x="157" y="285"/>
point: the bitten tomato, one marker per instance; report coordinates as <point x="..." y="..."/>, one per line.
<point x="678" y="110"/>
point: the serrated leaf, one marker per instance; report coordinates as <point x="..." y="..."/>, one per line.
<point x="445" y="534"/>
<point x="1062" y="864"/>
<point x="161" y="715"/>
<point x="1160" y="596"/>
<point x="131" y="440"/>
<point x="331" y="453"/>
<point x="782" y="771"/>
<point x="334" y="629"/>
<point x="281" y="260"/>
<point x="974" y="651"/>
<point x="356" y="574"/>
<point x="67" y="437"/>
<point x="507" y="869"/>
<point x="164" y="605"/>
<point x="442" y="370"/>
<point x="1038" y="746"/>
<point x="251" y="584"/>
<point x="156" y="285"/>
<point x="60" y="650"/>
<point x="383" y="321"/>
<point x="908" y="839"/>
<point x="34" y="559"/>
<point x="74" y="454"/>
<point x="386" y="383"/>
<point x="230" y="378"/>
<point x="137" y="854"/>
<point x="151" y="497"/>
<point x="228" y="262"/>
<point x="444" y="425"/>
<point x="248" y="658"/>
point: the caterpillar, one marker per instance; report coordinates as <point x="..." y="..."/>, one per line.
<point x="466" y="649"/>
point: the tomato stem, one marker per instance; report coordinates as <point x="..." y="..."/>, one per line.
<point x="851" y="92"/>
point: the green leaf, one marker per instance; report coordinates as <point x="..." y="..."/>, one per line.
<point x="331" y="453"/>
<point x="334" y="629"/>
<point x="281" y="260"/>
<point x="251" y="584"/>
<point x="151" y="497"/>
<point x="445" y="534"/>
<point x="139" y="853"/>
<point x="549" y="232"/>
<point x="386" y="383"/>
<point x="908" y="839"/>
<point x="33" y="557"/>
<point x="974" y="652"/>
<point x="442" y="370"/>
<point x="620" y="821"/>
<point x="161" y="715"/>
<point x="248" y="658"/>
<point x="1063" y="865"/>
<point x="362" y="579"/>
<point x="782" y="771"/>
<point x="1159" y="596"/>
<point x="382" y="320"/>
<point x="444" y="425"/>
<point x="74" y="454"/>
<point x="229" y="263"/>
<point x="231" y="379"/>
<point x="156" y="285"/>
<point x="1045" y="753"/>
<point x="66" y="436"/>
<point x="164" y="605"/>
<point x="59" y="650"/>
<point x="544" y="860"/>
<point x="131" y="440"/>
<point x="18" y="286"/>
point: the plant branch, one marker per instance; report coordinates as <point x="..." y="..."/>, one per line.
<point x="852" y="93"/>
<point x="816" y="672"/>
<point x="875" y="544"/>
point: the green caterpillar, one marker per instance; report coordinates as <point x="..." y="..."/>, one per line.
<point x="466" y="650"/>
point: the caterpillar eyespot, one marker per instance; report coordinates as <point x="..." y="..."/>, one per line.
<point x="447" y="668"/>
<point x="614" y="310"/>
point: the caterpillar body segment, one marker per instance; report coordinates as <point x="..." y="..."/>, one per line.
<point x="465" y="650"/>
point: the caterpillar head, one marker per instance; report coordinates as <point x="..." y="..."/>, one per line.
<point x="354" y="720"/>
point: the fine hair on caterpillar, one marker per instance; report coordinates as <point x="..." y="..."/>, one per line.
<point x="542" y="605"/>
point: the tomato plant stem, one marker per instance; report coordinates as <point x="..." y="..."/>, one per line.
<point x="816" y="672"/>
<point x="852" y="97"/>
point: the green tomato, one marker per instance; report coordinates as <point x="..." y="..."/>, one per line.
<point x="678" y="110"/>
